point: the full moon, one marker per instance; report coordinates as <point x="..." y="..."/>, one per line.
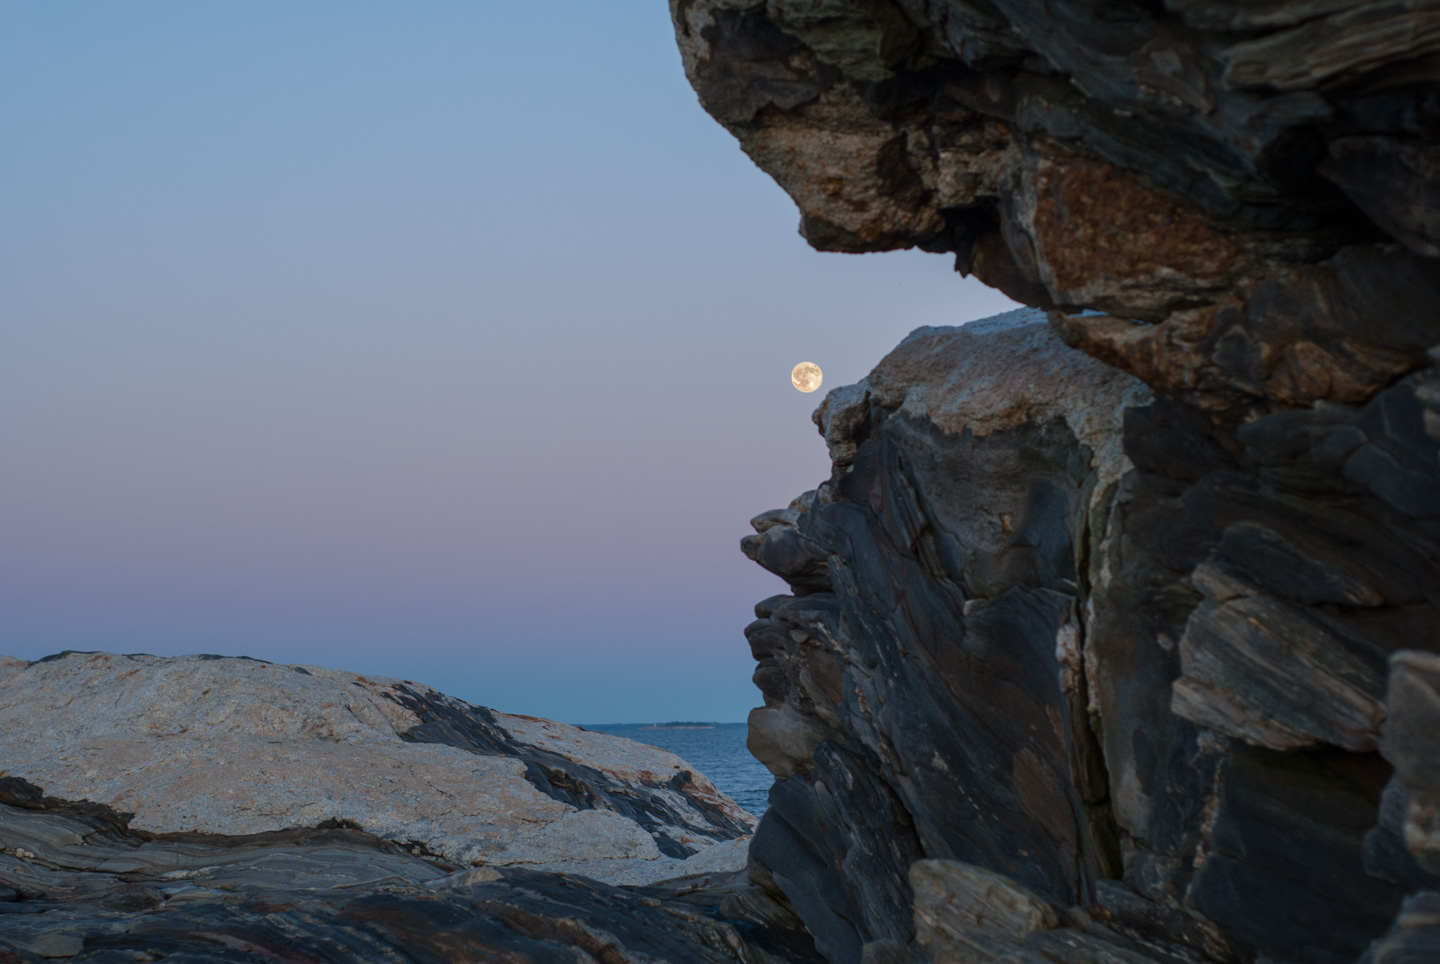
<point x="806" y="376"/>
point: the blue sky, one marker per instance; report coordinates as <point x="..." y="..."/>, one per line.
<point x="447" y="341"/>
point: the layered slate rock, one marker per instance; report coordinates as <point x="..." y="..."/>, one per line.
<point x="1024" y="683"/>
<point x="1234" y="203"/>
<point x="237" y="747"/>
<point x="77" y="883"/>
<point x="925" y="695"/>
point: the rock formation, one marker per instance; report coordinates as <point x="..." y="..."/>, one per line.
<point x="216" y="809"/>
<point x="1113" y="636"/>
<point x="234" y="747"/>
<point x="1072" y="672"/>
<point x="78" y="884"/>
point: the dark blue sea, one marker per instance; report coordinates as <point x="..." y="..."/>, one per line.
<point x="718" y="751"/>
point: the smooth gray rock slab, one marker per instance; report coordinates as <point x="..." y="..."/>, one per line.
<point x="236" y="747"/>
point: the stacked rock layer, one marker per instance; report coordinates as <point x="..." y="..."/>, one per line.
<point x="1145" y="667"/>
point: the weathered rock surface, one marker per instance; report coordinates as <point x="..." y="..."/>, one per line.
<point x="1163" y="696"/>
<point x="237" y="747"/>
<point x="934" y="663"/>
<point x="1068" y="677"/>
<point x="1144" y="158"/>
<point x="77" y="883"/>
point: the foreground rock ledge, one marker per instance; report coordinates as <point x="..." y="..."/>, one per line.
<point x="77" y="884"/>
<point x="238" y="747"/>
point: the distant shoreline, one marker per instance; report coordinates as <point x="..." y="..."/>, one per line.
<point x="669" y="725"/>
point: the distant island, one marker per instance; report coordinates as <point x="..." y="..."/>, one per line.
<point x="679" y="725"/>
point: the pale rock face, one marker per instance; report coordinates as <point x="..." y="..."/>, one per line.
<point x="964" y="912"/>
<point x="1412" y="745"/>
<point x="998" y="374"/>
<point x="239" y="746"/>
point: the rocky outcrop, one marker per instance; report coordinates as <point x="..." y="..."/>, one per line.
<point x="927" y="711"/>
<point x="1182" y="707"/>
<point x="1137" y="157"/>
<point x="238" y="747"/>
<point x="1065" y="675"/>
<point x="77" y="883"/>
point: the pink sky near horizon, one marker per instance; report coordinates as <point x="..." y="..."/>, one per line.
<point x="442" y="343"/>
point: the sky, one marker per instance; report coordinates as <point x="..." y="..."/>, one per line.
<point x="447" y="341"/>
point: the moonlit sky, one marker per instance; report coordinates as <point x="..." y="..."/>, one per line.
<point x="447" y="341"/>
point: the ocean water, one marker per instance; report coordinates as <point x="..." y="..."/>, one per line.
<point x="718" y="751"/>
